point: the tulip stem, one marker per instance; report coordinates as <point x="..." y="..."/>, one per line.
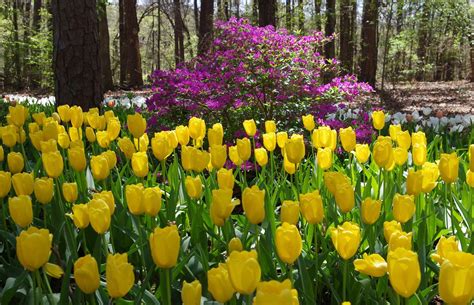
<point x="50" y="292"/>
<point x="316" y="258"/>
<point x="344" y="281"/>
<point x="166" y="286"/>
<point x="290" y="273"/>
<point x="33" y="281"/>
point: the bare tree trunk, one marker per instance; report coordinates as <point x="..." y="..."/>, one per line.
<point x="27" y="69"/>
<point x="317" y="14"/>
<point x="255" y="11"/>
<point x="158" y="40"/>
<point x="104" y="50"/>
<point x="472" y="60"/>
<point x="134" y="62"/>
<point x="123" y="44"/>
<point x="288" y="15"/>
<point x="266" y="12"/>
<point x="345" y="29"/>
<point x="369" y="42"/>
<point x="354" y="34"/>
<point x="330" y="27"/>
<point x="16" y="49"/>
<point x="422" y="40"/>
<point x="76" y="53"/>
<point x="301" y="15"/>
<point x="386" y="44"/>
<point x="205" y="26"/>
<point x="178" y="33"/>
<point x="36" y="15"/>
<point x="196" y="15"/>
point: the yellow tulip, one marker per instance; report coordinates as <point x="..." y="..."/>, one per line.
<point x="2" y="153"/>
<point x="295" y="149"/>
<point x="187" y="157"/>
<point x="77" y="116"/>
<point x="269" y="141"/>
<point x="63" y="140"/>
<point x="393" y="131"/>
<point x="400" y="239"/>
<point x="282" y="137"/>
<point x="140" y="164"/>
<point x="134" y="196"/>
<point x="456" y="278"/>
<point x="215" y="134"/>
<point x="9" y="135"/>
<point x="15" y="162"/>
<point x="270" y="126"/>
<point x="389" y="227"/>
<point x="253" y="201"/>
<point x="197" y="128"/>
<point x="261" y="156"/>
<point x="225" y="179"/>
<point x="44" y="189"/>
<point x="430" y="173"/>
<point x="445" y="246"/>
<point x="289" y="167"/>
<point x="86" y="274"/>
<point x="222" y="206"/>
<point x="127" y="147"/>
<point x="235" y="244"/>
<point x="100" y="167"/>
<point x="418" y="138"/>
<point x="103" y="139"/>
<point x="345" y="197"/>
<point x="152" y="200"/>
<point x="348" y="138"/>
<point x="449" y="167"/>
<point x="244" y="148"/>
<point x="200" y="160"/>
<point x="244" y="271"/>
<point x="23" y="183"/>
<point x="290" y="212"/>
<point x="50" y="131"/>
<point x="332" y="180"/>
<point x="53" y="163"/>
<point x="182" y="133"/>
<point x="324" y="158"/>
<point x="288" y="243"/>
<point x="419" y="154"/>
<point x="308" y="122"/>
<point x="346" y="239"/>
<point x="400" y="155"/>
<point x="90" y="135"/>
<point x="403" y="207"/>
<point x="274" y="292"/>
<point x="49" y="146"/>
<point x="18" y="114"/>
<point x="119" y="275"/>
<point x="404" y="139"/>
<point x="373" y="265"/>
<point x="111" y="158"/>
<point x="234" y="156"/>
<point x="108" y="197"/>
<point x="36" y="138"/>
<point x="311" y="206"/>
<point x="193" y="186"/>
<point x="113" y="128"/>
<point x="70" y="191"/>
<point x="383" y="153"/>
<point x="80" y="215"/>
<point x="219" y="284"/>
<point x="75" y="134"/>
<point x="136" y="125"/>
<point x="250" y="127"/>
<point x="471" y="157"/>
<point x="141" y="143"/>
<point x="21" y="210"/>
<point x="77" y="158"/>
<point x="218" y="155"/>
<point x="164" y="245"/>
<point x="39" y="118"/>
<point x="414" y="182"/>
<point x="362" y="152"/>
<point x="370" y="210"/>
<point x="378" y="119"/>
<point x="33" y="127"/>
<point x="5" y="183"/>
<point x="99" y="215"/>
<point x="470" y="178"/>
<point x="191" y="293"/>
<point x="33" y="248"/>
<point x="404" y="271"/>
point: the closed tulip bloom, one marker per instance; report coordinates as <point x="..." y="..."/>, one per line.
<point x="90" y="135"/>
<point x="389" y="227"/>
<point x="345" y="197"/>
<point x="23" y="183"/>
<point x="21" y="210"/>
<point x="225" y="179"/>
<point x="414" y="182"/>
<point x="75" y="134"/>
<point x="197" y="128"/>
<point x="80" y="215"/>
<point x="141" y="143"/>
<point x="5" y="183"/>
<point x="182" y="133"/>
<point x="111" y="158"/>
<point x="308" y="122"/>
<point x="218" y="155"/>
<point x="77" y="116"/>
<point x="470" y="178"/>
<point x="219" y="284"/>
<point x="400" y="239"/>
<point x="18" y="114"/>
<point x="222" y="206"/>
<point x="430" y="174"/>
<point x="134" y="196"/>
<point x="295" y="149"/>
<point x="378" y="119"/>
<point x="100" y="167"/>
<point x="456" y="277"/>
<point x="113" y="128"/>
<point x="445" y="246"/>
<point x="33" y="127"/>
<point x="164" y="245"/>
<point x="39" y="118"/>
<point x="49" y="146"/>
<point x="108" y="197"/>
<point x="86" y="274"/>
<point x="275" y="293"/>
<point x="311" y="206"/>
<point x="187" y="157"/>
<point x="244" y="271"/>
<point x="270" y="126"/>
<point x="362" y="152"/>
<point x="290" y="212"/>
<point x="119" y="275"/>
<point x="324" y="158"/>
<point x="288" y="243"/>
<point x="400" y="156"/>
<point x="43" y="188"/>
<point x="63" y="140"/>
<point x="373" y="265"/>
<point x="269" y="141"/>
<point x="99" y="215"/>
<point x="393" y="131"/>
<point x="77" y="158"/>
<point x="346" y="239"/>
<point x="200" y="160"/>
<point x="160" y="146"/>
<point x="261" y="156"/>
<point x="403" y="207"/>
<point x="2" y="153"/>
<point x="53" y="164"/>
<point x="404" y="139"/>
<point x="103" y="139"/>
<point x="191" y="293"/>
<point x="449" y="167"/>
<point x="152" y="200"/>
<point x="9" y="136"/>
<point x="136" y="124"/>
<point x="127" y="147"/>
<point x="418" y="138"/>
<point x="50" y="131"/>
<point x="193" y="186"/>
<point x="235" y="244"/>
<point x="282" y="137"/>
<point x="244" y="148"/>
<point x="15" y="162"/>
<point x="383" y="153"/>
<point x="140" y="164"/>
<point x="70" y="191"/>
<point x="348" y="138"/>
<point x="36" y="138"/>
<point x="33" y="247"/>
<point x="250" y="127"/>
<point x="333" y="179"/>
<point x="370" y="210"/>
<point x="419" y="154"/>
<point x="404" y="271"/>
<point x="471" y="157"/>
<point x="253" y="201"/>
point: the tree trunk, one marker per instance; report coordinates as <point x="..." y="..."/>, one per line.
<point x="123" y="44"/>
<point x="104" y="49"/>
<point x="345" y="29"/>
<point x="301" y="15"/>
<point x="266" y="12"/>
<point x="205" y="25"/>
<point x="76" y="53"/>
<point x="158" y="39"/>
<point x="330" y="27"/>
<point x="27" y="69"/>
<point x="422" y="40"/>
<point x="36" y="15"/>
<point x="196" y="15"/>
<point x="369" y="42"/>
<point x="255" y="11"/>
<point x="386" y="43"/>
<point x="472" y="61"/>
<point x="288" y="15"/>
<point x="178" y="33"/>
<point x="317" y="14"/>
<point x="400" y="15"/>
<point x="16" y="42"/>
<point x="134" y="62"/>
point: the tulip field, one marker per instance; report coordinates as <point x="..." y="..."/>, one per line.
<point x="98" y="208"/>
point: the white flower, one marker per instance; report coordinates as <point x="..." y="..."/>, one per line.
<point x="444" y="121"/>
<point x="427" y="111"/>
<point x="416" y="116"/>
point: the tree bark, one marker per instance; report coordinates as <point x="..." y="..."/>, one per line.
<point x="36" y="15"/>
<point x="288" y="15"/>
<point x="317" y="14"/>
<point x="196" y="15"/>
<point x="369" y="42"/>
<point x="134" y="62"/>
<point x="346" y="44"/>
<point x="472" y="60"/>
<point x="330" y="27"/>
<point x="422" y="40"/>
<point x="301" y="15"/>
<point x="76" y="53"/>
<point x="205" y="25"/>
<point x="178" y="33"/>
<point x="104" y="49"/>
<point x="122" y="46"/>
<point x="266" y="12"/>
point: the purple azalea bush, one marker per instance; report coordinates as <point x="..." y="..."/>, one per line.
<point x="252" y="72"/>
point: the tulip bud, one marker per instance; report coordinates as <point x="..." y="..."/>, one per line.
<point x="164" y="245"/>
<point x="348" y="138"/>
<point x="244" y="271"/>
<point x="100" y="167"/>
<point x="373" y="265"/>
<point x="400" y="156"/>
<point x="119" y="275"/>
<point x="70" y="191"/>
<point x="430" y="173"/>
<point x="470" y="178"/>
<point x="191" y="293"/>
<point x="346" y="239"/>
<point x="108" y="197"/>
<point x="2" y="154"/>
<point x="419" y="154"/>
<point x="49" y="146"/>
<point x="244" y="148"/>
<point x="53" y="163"/>
<point x="86" y="274"/>
<point x="99" y="215"/>
<point x="33" y="248"/>
<point x="345" y="197"/>
<point x="289" y="167"/>
<point x="43" y="188"/>
<point x="134" y="196"/>
<point x="295" y="149"/>
<point x="269" y="141"/>
<point x="414" y="182"/>
<point x="103" y="139"/>
<point x="471" y="157"/>
<point x="370" y="210"/>
<point x="418" y="138"/>
<point x="18" y="114"/>
<point x="136" y="125"/>
<point x="77" y="158"/>
<point x="222" y="206"/>
<point x="193" y="187"/>
<point x="253" y="201"/>
<point x="288" y="243"/>
<point x="5" y="183"/>
<point x="456" y="277"/>
<point x="225" y="179"/>
<point x="270" y="126"/>
<point x="449" y="167"/>
<point x="113" y="128"/>
<point x="197" y="128"/>
<point x="23" y="183"/>
<point x="90" y="135"/>
<point x="282" y="137"/>
<point x="140" y="164"/>
<point x="311" y="206"/>
<point x="182" y="133"/>
<point x="152" y="200"/>
<point x="404" y="271"/>
<point x="308" y="122"/>
<point x="403" y="207"/>
<point x="15" y="162"/>
<point x="400" y="239"/>
<point x="378" y="119"/>
<point x="324" y="158"/>
<point x="218" y="155"/>
<point x="234" y="156"/>
<point x="362" y="152"/>
<point x="389" y="227"/>
<point x="80" y="215"/>
<point x="274" y="292"/>
<point x="290" y="212"/>
<point x="393" y="131"/>
<point x="261" y="156"/>
<point x="127" y="147"/>
<point x="383" y="153"/>
<point x="141" y="143"/>
<point x="219" y="284"/>
<point x="21" y="210"/>
<point x="160" y="146"/>
<point x="235" y="245"/>
<point x="250" y="127"/>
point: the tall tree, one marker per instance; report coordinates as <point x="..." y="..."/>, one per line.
<point x="266" y="12"/>
<point x="369" y="42"/>
<point x="205" y="25"/>
<point x="133" y="74"/>
<point x="329" y="48"/>
<point x="36" y="14"/>
<point x="317" y="14"/>
<point x="76" y="53"/>
<point x="288" y="12"/>
<point x="346" y="48"/>
<point x="123" y="44"/>
<point x="178" y="33"/>
<point x="104" y="50"/>
<point x="422" y="38"/>
<point x="301" y="15"/>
